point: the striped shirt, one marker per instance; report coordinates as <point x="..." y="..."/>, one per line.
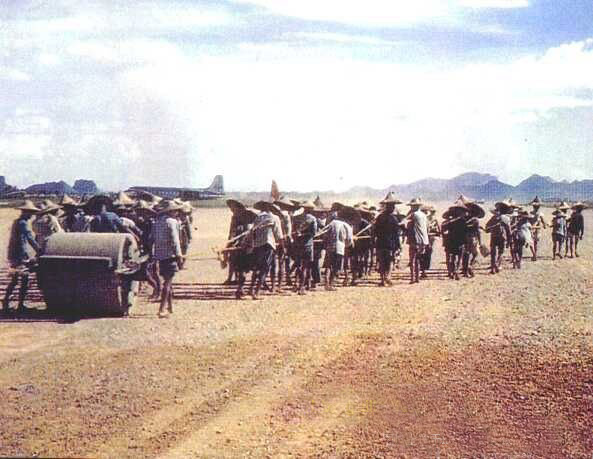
<point x="165" y="234"/>
<point x="339" y="236"/>
<point x="268" y="230"/>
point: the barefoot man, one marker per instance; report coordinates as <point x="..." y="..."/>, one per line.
<point x="21" y="248"/>
<point x="167" y="251"/>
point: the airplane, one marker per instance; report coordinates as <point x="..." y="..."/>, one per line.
<point x="214" y="191"/>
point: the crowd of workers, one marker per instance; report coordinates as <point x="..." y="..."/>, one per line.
<point x="299" y="245"/>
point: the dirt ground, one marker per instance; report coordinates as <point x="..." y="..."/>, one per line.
<point x="494" y="367"/>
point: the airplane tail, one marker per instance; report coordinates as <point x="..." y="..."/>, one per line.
<point x="274" y="192"/>
<point x="217" y="185"/>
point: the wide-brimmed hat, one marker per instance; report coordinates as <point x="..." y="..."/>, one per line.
<point x="390" y="199"/>
<point x="48" y="207"/>
<point x="308" y="205"/>
<point x="365" y="212"/>
<point x="459" y="204"/>
<point x="318" y="203"/>
<point x="247" y="216"/>
<point x="415" y="202"/>
<point x="536" y="202"/>
<point x="28" y="206"/>
<point x="123" y="200"/>
<point x="559" y="212"/>
<point x="505" y="206"/>
<point x="464" y="199"/>
<point x="455" y="211"/>
<point x="350" y="215"/>
<point x="68" y="201"/>
<point x="266" y="206"/>
<point x="167" y="206"/>
<point x="187" y="208"/>
<point x="336" y="206"/>
<point x="143" y="206"/>
<point x="563" y="206"/>
<point x="286" y="204"/>
<point x="476" y="210"/>
<point x="93" y="205"/>
<point x="235" y="206"/>
<point x="579" y="205"/>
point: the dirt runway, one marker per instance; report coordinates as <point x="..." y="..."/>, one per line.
<point x="496" y="366"/>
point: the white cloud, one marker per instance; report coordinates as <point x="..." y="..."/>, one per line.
<point x="494" y="3"/>
<point x="317" y="114"/>
<point x="380" y="13"/>
<point x="13" y="74"/>
<point x="344" y="38"/>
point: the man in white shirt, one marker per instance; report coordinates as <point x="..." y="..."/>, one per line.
<point x="267" y="235"/>
<point x="338" y="236"/>
<point x="417" y="237"/>
<point x="167" y="251"/>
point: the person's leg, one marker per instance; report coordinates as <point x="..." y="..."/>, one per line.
<point x="493" y="256"/>
<point x="315" y="271"/>
<point x="14" y="280"/>
<point x="156" y="275"/>
<point x="23" y="292"/>
<point x="156" y="287"/>
<point x="165" y="294"/>
<point x="240" y="276"/>
<point x="272" y="273"/>
<point x="458" y="261"/>
<point x="381" y="255"/>
<point x="170" y="297"/>
<point x="264" y="260"/>
<point x="412" y="256"/>
<point x="465" y="262"/>
<point x="281" y="255"/>
<point x="387" y="264"/>
<point x="576" y="245"/>
<point x="519" y="254"/>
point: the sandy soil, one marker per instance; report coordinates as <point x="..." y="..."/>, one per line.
<point x="497" y="366"/>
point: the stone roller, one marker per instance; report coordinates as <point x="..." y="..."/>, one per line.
<point x="89" y="273"/>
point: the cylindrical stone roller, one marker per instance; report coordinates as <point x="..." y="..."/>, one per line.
<point x="83" y="273"/>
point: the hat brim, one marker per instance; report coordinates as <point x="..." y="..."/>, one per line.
<point x="247" y="216"/>
<point x="286" y="205"/>
<point x="350" y="215"/>
<point x="49" y="210"/>
<point x="476" y="210"/>
<point x="93" y="205"/>
<point x="391" y="201"/>
<point x="235" y="205"/>
<point x="454" y="211"/>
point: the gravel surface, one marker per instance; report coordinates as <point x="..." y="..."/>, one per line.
<point x="497" y="366"/>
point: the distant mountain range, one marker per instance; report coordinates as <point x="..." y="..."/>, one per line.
<point x="472" y="184"/>
<point x="487" y="187"/>
<point x="61" y="188"/>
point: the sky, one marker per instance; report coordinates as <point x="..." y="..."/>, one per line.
<point x="316" y="94"/>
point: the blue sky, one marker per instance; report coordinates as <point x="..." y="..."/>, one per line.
<point x="315" y="94"/>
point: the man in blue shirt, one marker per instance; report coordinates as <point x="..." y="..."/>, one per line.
<point x="108" y="222"/>
<point x="22" y="247"/>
